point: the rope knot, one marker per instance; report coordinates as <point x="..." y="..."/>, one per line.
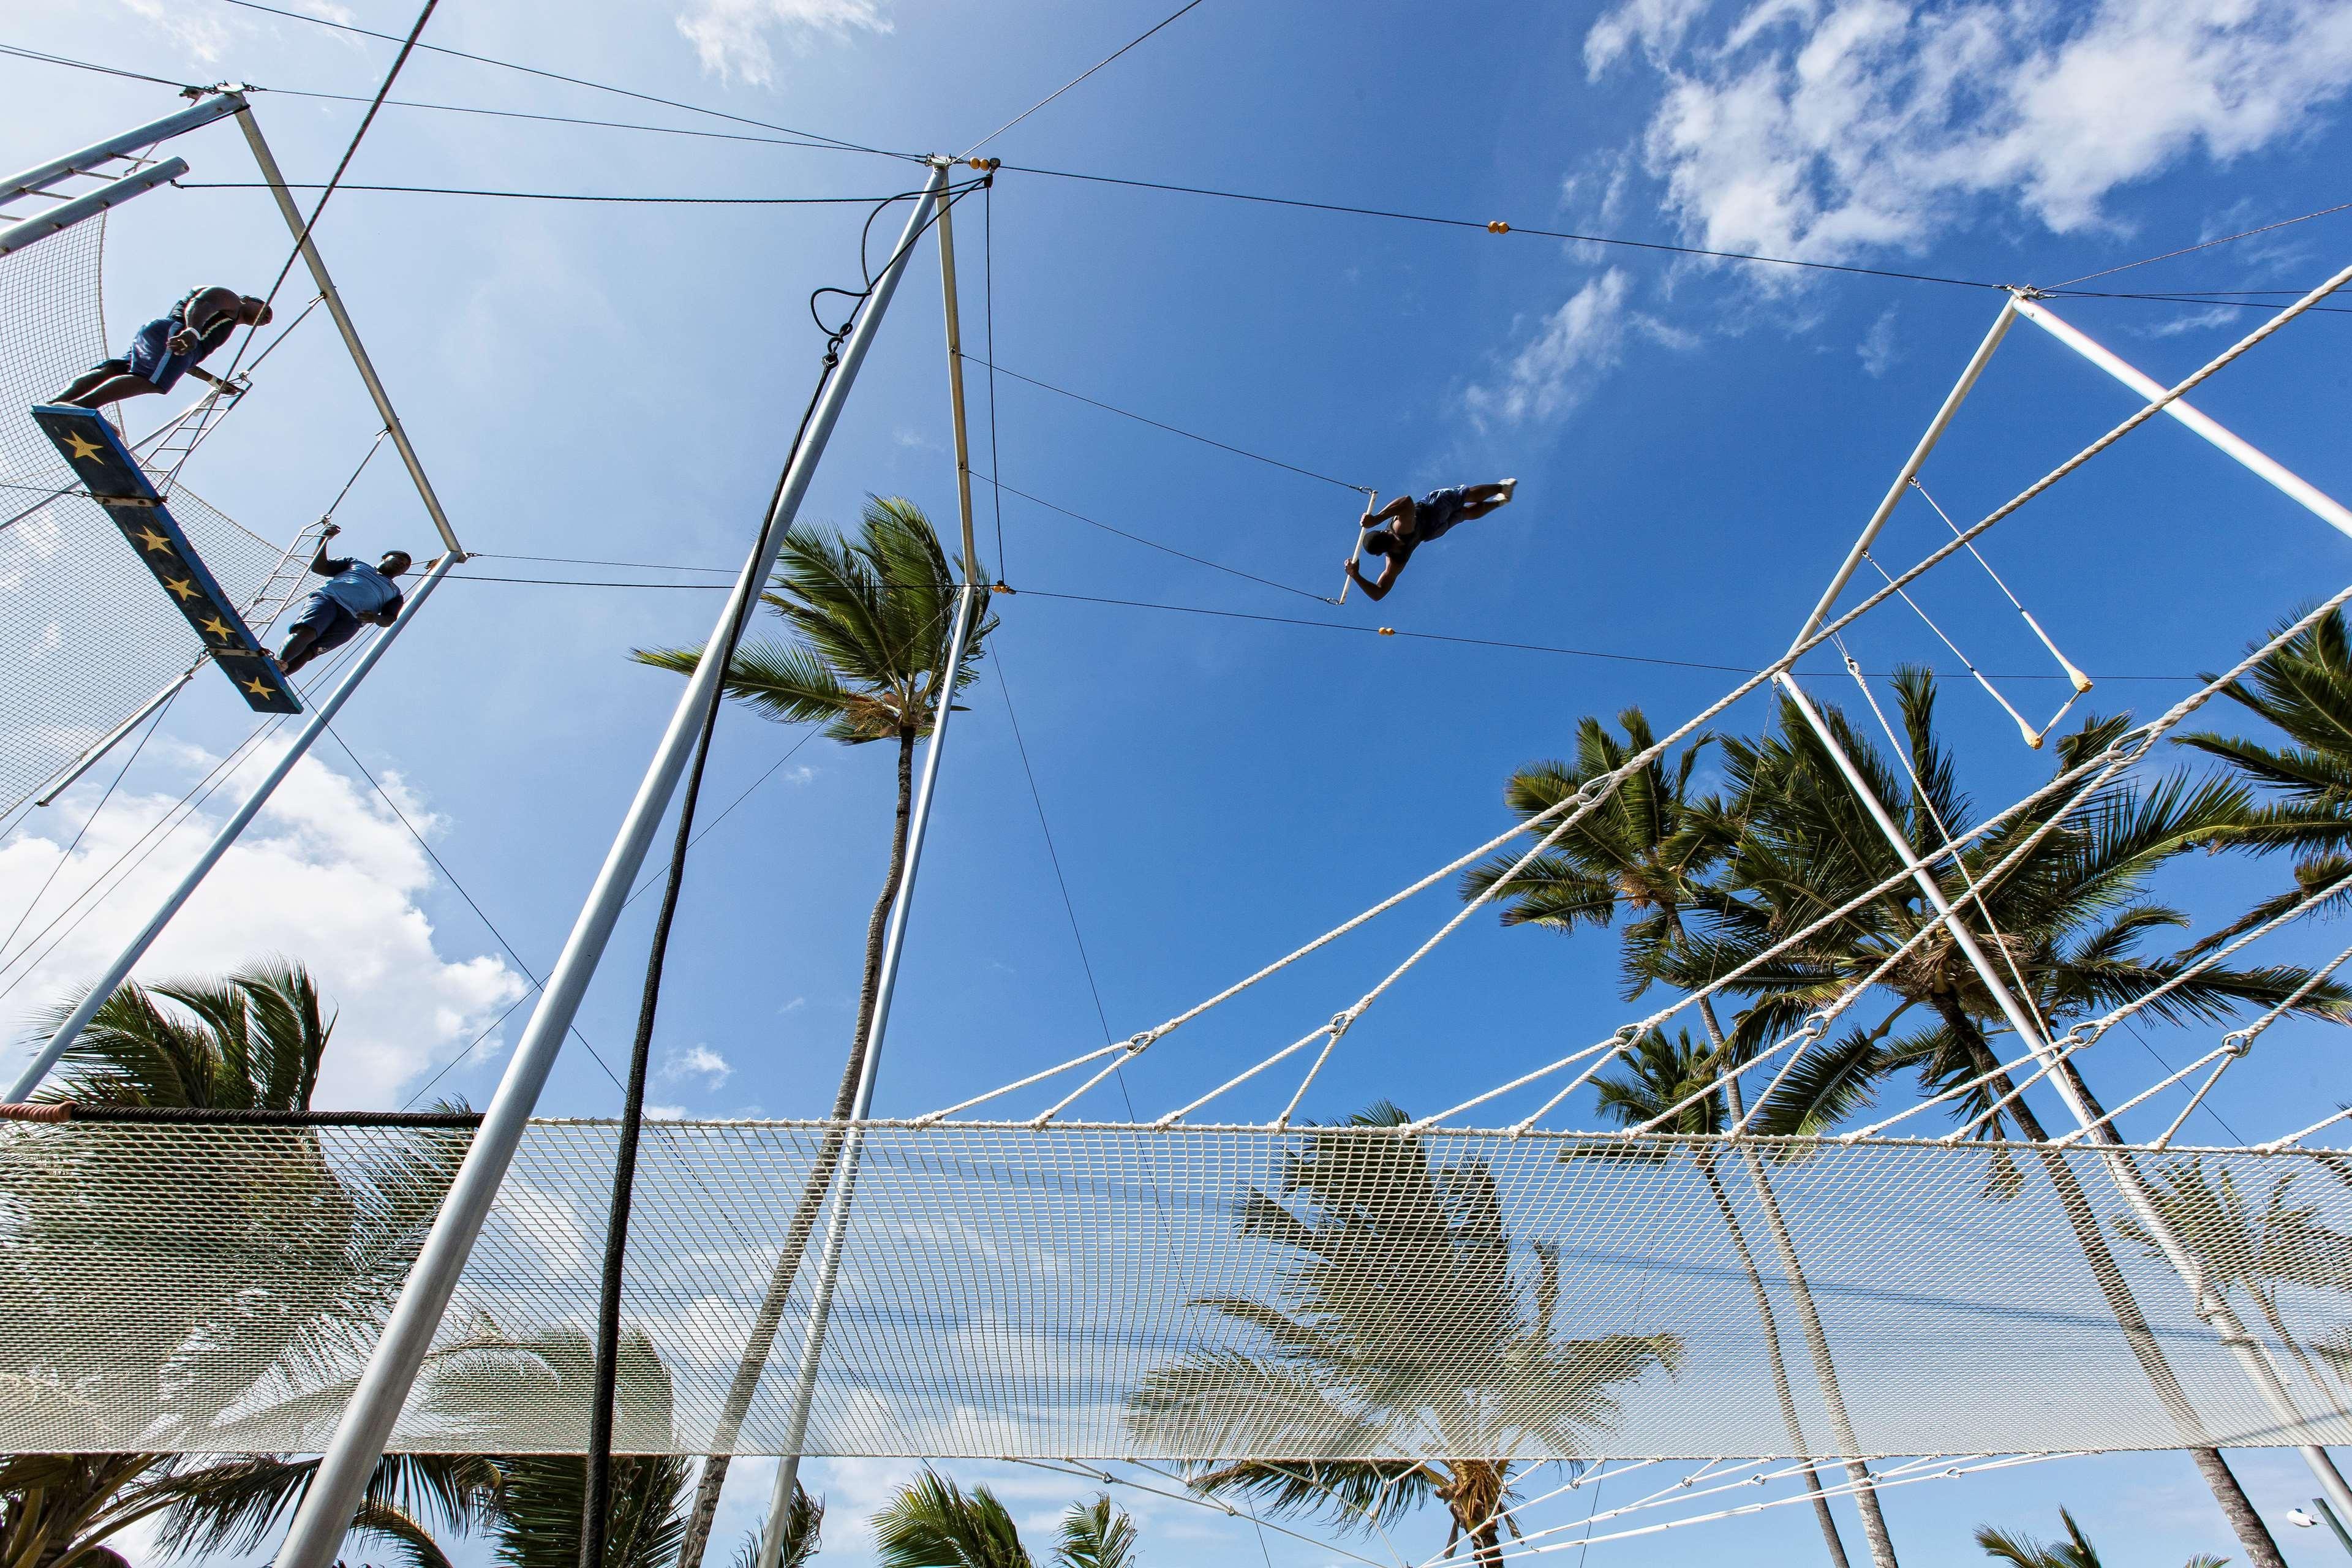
<point x="1141" y="1041"/>
<point x="1342" y="1021"/>
<point x="2237" y="1042"/>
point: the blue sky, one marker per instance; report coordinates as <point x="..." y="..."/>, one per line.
<point x="1697" y="442"/>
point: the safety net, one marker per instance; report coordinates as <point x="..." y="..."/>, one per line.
<point x="1113" y="1292"/>
<point x="85" y="634"/>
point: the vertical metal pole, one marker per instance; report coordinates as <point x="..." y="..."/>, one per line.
<point x="836" y="1234"/>
<point x="1935" y="433"/>
<point x="119" y="970"/>
<point x="2209" y="1301"/>
<point x="317" y="1532"/>
<point x="788" y="1473"/>
<point x="2327" y="508"/>
<point x="267" y="163"/>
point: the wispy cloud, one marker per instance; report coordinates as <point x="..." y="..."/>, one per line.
<point x="1879" y="349"/>
<point x="695" y="1061"/>
<point x="731" y="36"/>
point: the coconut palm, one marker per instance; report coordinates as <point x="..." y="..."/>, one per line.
<point x="1664" y="1081"/>
<point x="2075" y="1551"/>
<point x="2253" y="1250"/>
<point x="344" y="1232"/>
<point x="2305" y="691"/>
<point x="2069" y="924"/>
<point x="870" y="622"/>
<point x="932" y="1523"/>
<point x="1647" y="853"/>
<point x="1401" y="1327"/>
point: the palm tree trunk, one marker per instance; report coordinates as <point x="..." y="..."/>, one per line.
<point x="764" y="1324"/>
<point x="1874" y="1522"/>
<point x="2261" y="1551"/>
<point x="1800" y="1448"/>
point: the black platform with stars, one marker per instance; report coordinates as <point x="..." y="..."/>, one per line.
<point x="119" y="484"/>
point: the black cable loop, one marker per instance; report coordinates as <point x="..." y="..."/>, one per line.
<point x="596" y="1505"/>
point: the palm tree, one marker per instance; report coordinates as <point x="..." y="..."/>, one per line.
<point x="2068" y="923"/>
<point x="870" y="622"/>
<point x="2303" y="690"/>
<point x="2250" y="1250"/>
<point x="252" y="1040"/>
<point x="1648" y="852"/>
<point x="932" y="1523"/>
<point x="1401" y="1327"/>
<point x="2075" y="1551"/>
<point x="1659" y="1076"/>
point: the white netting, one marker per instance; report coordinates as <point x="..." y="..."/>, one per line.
<point x="85" y="634"/>
<point x="1035" y="1293"/>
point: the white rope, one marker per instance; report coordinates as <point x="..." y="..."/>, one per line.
<point x="2081" y="683"/>
<point x="2291" y="1138"/>
<point x="1215" y="1505"/>
<point x="2224" y="1054"/>
<point x="2248" y="1034"/>
<point x="1295" y="1045"/>
<point x="2302" y="907"/>
<point x="2126" y="751"/>
<point x="1845" y="1489"/>
<point x="1589" y="797"/>
<point x="930" y="1116"/>
<point x="2033" y="738"/>
<point x="1915" y="1107"/>
<point x="2194" y="1101"/>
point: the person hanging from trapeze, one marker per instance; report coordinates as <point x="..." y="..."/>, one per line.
<point x="354" y="592"/>
<point x="1405" y="525"/>
<point x="168" y="348"/>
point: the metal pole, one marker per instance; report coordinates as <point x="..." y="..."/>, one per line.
<point x="58" y="218"/>
<point x="836" y="1234"/>
<point x="122" y="146"/>
<point x="1935" y="433"/>
<point x="267" y="163"/>
<point x="119" y="970"/>
<point x="317" y="1532"/>
<point x="955" y="384"/>
<point x="2209" y="1301"/>
<point x="89" y="760"/>
<point x="780" y="1503"/>
<point x="2327" y="508"/>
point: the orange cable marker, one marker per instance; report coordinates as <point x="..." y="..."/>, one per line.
<point x="1498" y="227"/>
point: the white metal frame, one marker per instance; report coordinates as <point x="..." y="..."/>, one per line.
<point x="2209" y="1301"/>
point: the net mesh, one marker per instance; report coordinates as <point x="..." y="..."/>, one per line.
<point x="1196" y="1292"/>
<point x="84" y="632"/>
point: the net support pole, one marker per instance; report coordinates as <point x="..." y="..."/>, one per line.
<point x="788" y="1473"/>
<point x="2211" y="1304"/>
<point x="1911" y="466"/>
<point x="60" y="218"/>
<point x="96" y="156"/>
<point x="2277" y="475"/>
<point x="267" y="163"/>
<point x="65" y="781"/>
<point x="119" y="970"/>
<point x="316" y="1535"/>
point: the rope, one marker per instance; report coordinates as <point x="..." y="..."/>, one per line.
<point x="2206" y="244"/>
<point x="220" y="1116"/>
<point x="1175" y="429"/>
<point x="581" y="196"/>
<point x="1078" y="78"/>
<point x="1153" y="544"/>
<point x="815" y="136"/>
<point x="2124" y="752"/>
<point x="596" y="1503"/>
<point x="327" y="194"/>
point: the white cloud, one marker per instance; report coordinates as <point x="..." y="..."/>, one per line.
<point x="2194" y="321"/>
<point x="695" y="1061"/>
<point x="326" y="875"/>
<point x="1826" y="131"/>
<point x="1549" y="376"/>
<point x="1879" y="351"/>
<point x="1656" y="24"/>
<point x="794" y="1005"/>
<point x="665" y="1112"/>
<point x="731" y="36"/>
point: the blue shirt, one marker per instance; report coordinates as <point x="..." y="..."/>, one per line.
<point x="359" y="587"/>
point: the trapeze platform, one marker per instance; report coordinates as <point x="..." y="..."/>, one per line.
<point x="95" y="451"/>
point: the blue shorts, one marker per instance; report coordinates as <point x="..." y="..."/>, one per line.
<point x="335" y="625"/>
<point x="151" y="356"/>
<point x="1434" y="514"/>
